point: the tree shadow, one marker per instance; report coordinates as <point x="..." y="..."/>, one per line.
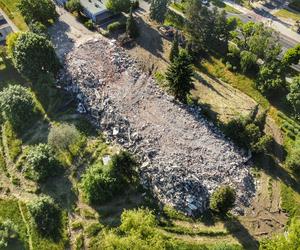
<point x="235" y="228"/>
<point x="149" y="39"/>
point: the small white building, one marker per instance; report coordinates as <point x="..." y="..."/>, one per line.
<point x="5" y="29"/>
<point x="93" y="9"/>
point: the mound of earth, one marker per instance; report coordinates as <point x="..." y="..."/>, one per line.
<point x="184" y="157"/>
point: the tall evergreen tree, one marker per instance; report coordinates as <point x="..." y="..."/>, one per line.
<point x="158" y="10"/>
<point x="175" y="49"/>
<point x="131" y="27"/>
<point x="179" y="76"/>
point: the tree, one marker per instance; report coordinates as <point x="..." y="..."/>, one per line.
<point x="41" y="163"/>
<point x="248" y="60"/>
<point x="131" y="26"/>
<point x="46" y="215"/>
<point x="270" y="77"/>
<point x="34" y="55"/>
<point x="222" y="200"/>
<point x="11" y="43"/>
<point x="179" y="76"/>
<point x="17" y="106"/>
<point x="174" y="49"/>
<point x="294" y="95"/>
<point x="62" y="136"/>
<point x="118" y="5"/>
<point x="38" y="28"/>
<point x="74" y="6"/>
<point x="158" y="10"/>
<point x="292" y="55"/>
<point x="38" y="10"/>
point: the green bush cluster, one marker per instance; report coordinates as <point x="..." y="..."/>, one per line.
<point x="293" y="160"/>
<point x="7" y="231"/>
<point x="222" y="200"/>
<point x="41" y="163"/>
<point x="100" y="183"/>
<point x="17" y="106"/>
<point x="115" y="26"/>
<point x="46" y="215"/>
<point x="248" y="132"/>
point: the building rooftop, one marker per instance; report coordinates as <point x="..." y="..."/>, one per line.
<point x="94" y="6"/>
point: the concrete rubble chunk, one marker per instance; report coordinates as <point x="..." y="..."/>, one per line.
<point x="184" y="158"/>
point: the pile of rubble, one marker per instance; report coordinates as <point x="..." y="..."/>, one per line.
<point x="184" y="157"/>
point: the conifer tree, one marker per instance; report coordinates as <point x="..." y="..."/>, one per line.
<point x="175" y="49"/>
<point x="158" y="10"/>
<point x="131" y="26"/>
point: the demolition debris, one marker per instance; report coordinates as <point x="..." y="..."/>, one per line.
<point x="184" y="157"/>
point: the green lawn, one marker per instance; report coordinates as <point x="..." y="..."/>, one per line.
<point x="288" y="14"/>
<point x="10" y="8"/>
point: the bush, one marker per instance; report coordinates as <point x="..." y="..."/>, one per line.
<point x="38" y="28"/>
<point x="7" y="231"/>
<point x="294" y="96"/>
<point x="89" y="25"/>
<point x="123" y="167"/>
<point x="98" y="186"/>
<point x="293" y="160"/>
<point x="263" y="145"/>
<point x="63" y="136"/>
<point x="222" y="200"/>
<point x="46" y="215"/>
<point x="17" y="106"/>
<point x="41" y="163"/>
<point x="114" y="26"/>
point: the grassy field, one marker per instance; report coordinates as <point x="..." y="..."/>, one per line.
<point x="10" y="8"/>
<point x="288" y="14"/>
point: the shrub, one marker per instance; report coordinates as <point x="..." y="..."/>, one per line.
<point x="41" y="163"/>
<point x="123" y="167"/>
<point x="294" y="96"/>
<point x="63" y="136"/>
<point x="263" y="144"/>
<point x="114" y="26"/>
<point x="46" y="215"/>
<point x="293" y="160"/>
<point x="98" y="186"/>
<point x="89" y="25"/>
<point x="222" y="200"/>
<point x="38" y="28"/>
<point x="7" y="231"/>
<point x="17" y="106"/>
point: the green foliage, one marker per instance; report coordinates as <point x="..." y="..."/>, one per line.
<point x="114" y="26"/>
<point x="248" y="60"/>
<point x="292" y="55"/>
<point x="34" y="55"/>
<point x="38" y="10"/>
<point x="293" y="160"/>
<point x="208" y="29"/>
<point x="13" y="143"/>
<point x="174" y="49"/>
<point x="179" y="76"/>
<point x="74" y="5"/>
<point x="63" y="136"/>
<point x="7" y="231"/>
<point x="158" y="10"/>
<point x="41" y="163"/>
<point x="222" y="200"/>
<point x="39" y="29"/>
<point x="17" y="106"/>
<point x="291" y="240"/>
<point x="89" y="24"/>
<point x="123" y="167"/>
<point x="131" y="26"/>
<point x="294" y="95"/>
<point x="11" y="43"/>
<point x="271" y="77"/>
<point x="46" y="215"/>
<point x="137" y="232"/>
<point x="118" y="5"/>
<point x="98" y="185"/>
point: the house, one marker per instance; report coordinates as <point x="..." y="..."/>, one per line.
<point x="5" y="29"/>
<point x="93" y="9"/>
